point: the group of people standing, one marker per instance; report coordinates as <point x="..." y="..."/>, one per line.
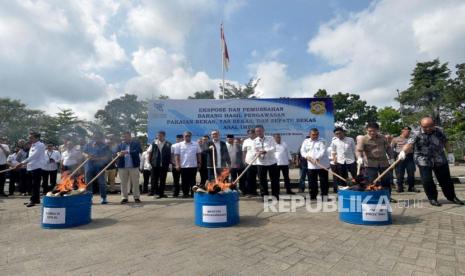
<point x="265" y="157"/>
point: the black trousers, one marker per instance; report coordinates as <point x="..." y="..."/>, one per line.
<point x="252" y="180"/>
<point x="158" y="177"/>
<point x="176" y="177"/>
<point x="24" y="181"/>
<point x="188" y="179"/>
<point x="409" y="166"/>
<point x="36" y="177"/>
<point x="343" y="170"/>
<point x="2" y="178"/>
<point x="146" y="175"/>
<point x="442" y="174"/>
<point x="14" y="178"/>
<point x="313" y="176"/>
<point x="46" y="176"/>
<point x="284" y="170"/>
<point x="273" y="172"/>
<point x="203" y="176"/>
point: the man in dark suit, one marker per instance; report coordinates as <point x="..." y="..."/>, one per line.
<point x="160" y="159"/>
<point x="221" y="155"/>
<point x="203" y="169"/>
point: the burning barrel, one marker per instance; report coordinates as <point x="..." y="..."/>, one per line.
<point x="216" y="210"/>
<point x="365" y="207"/>
<point x="68" y="205"/>
<point x="66" y="211"/>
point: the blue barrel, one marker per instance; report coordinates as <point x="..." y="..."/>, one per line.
<point x="366" y="208"/>
<point x="216" y="210"/>
<point x="66" y="211"/>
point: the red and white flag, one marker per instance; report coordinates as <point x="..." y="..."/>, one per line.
<point x="224" y="50"/>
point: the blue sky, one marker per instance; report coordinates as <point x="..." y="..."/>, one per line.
<point x="81" y="54"/>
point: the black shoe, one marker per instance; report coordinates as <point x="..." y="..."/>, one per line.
<point x="392" y="200"/>
<point x="175" y="196"/>
<point x="137" y="200"/>
<point x="151" y="194"/>
<point x="434" y="202"/>
<point x="400" y="191"/>
<point x="124" y="201"/>
<point x="290" y="192"/>
<point x="185" y="196"/>
<point x="30" y="204"/>
<point x="161" y="196"/>
<point x="3" y="194"/>
<point x="457" y="201"/>
<point x="301" y="191"/>
<point x="413" y="190"/>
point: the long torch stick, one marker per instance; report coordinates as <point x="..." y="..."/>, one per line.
<point x="386" y="171"/>
<point x="103" y="170"/>
<point x="245" y="170"/>
<point x="330" y="172"/>
<point x="214" y="162"/>
<point x="79" y="167"/>
<point x="7" y="170"/>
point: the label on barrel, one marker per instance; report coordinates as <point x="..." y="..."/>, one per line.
<point x="214" y="214"/>
<point x="374" y="212"/>
<point x="54" y="215"/>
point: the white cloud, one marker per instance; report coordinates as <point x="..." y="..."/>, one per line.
<point x="233" y="6"/>
<point x="164" y="73"/>
<point x="374" y="51"/>
<point x="167" y="22"/>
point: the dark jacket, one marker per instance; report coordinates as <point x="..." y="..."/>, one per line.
<point x="160" y="158"/>
<point x="225" y="160"/>
<point x="134" y="150"/>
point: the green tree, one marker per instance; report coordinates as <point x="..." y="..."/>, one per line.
<point x="126" y="113"/>
<point x="232" y="91"/>
<point x="207" y="94"/>
<point x="426" y="94"/>
<point x="65" y="124"/>
<point x="389" y="120"/>
<point x="16" y="120"/>
<point x="350" y="112"/>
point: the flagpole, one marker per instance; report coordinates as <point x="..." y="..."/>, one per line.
<point x="222" y="60"/>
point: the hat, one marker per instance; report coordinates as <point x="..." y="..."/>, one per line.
<point x="229" y="136"/>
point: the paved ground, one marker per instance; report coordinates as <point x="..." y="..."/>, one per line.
<point x="159" y="238"/>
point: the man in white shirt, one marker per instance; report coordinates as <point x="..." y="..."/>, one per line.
<point x="34" y="164"/>
<point x="314" y="150"/>
<point x="283" y="156"/>
<point x="145" y="169"/>
<point x="248" y="154"/>
<point x="4" y="152"/>
<point x="343" y="155"/>
<point x="71" y="157"/>
<point x="235" y="155"/>
<point x="265" y="147"/>
<point x="187" y="156"/>
<point x="50" y="168"/>
<point x="176" y="174"/>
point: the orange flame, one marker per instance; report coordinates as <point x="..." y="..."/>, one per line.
<point x="68" y="183"/>
<point x="373" y="187"/>
<point x="220" y="183"/>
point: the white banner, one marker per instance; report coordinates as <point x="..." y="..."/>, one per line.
<point x="54" y="215"/>
<point x="375" y="212"/>
<point x="214" y="214"/>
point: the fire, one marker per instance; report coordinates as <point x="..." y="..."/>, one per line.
<point x="220" y="183"/>
<point x="373" y="187"/>
<point x="69" y="185"/>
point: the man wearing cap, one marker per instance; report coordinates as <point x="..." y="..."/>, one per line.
<point x="408" y="164"/>
<point x="99" y="155"/>
<point x="428" y="145"/>
<point x="218" y="152"/>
